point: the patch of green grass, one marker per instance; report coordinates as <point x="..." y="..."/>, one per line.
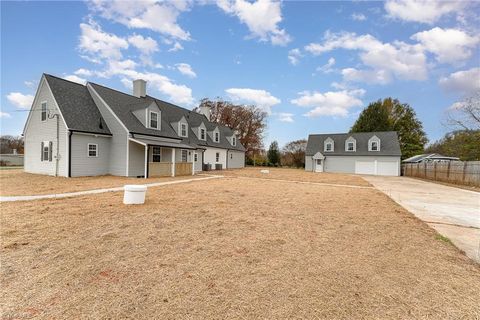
<point x="443" y="238"/>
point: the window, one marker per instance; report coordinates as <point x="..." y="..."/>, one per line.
<point x="374" y="144"/>
<point x="183" y="129"/>
<point x="217" y="137"/>
<point x="153" y="120"/>
<point x="217" y="157"/>
<point x="328" y="146"/>
<point x="202" y="134"/>
<point x="234" y="141"/>
<point x="92" y="150"/>
<point x="44" y="111"/>
<point x="231" y="155"/>
<point x="184" y="155"/>
<point x="46" y="151"/>
<point x="350" y="146"/>
<point x="156" y="154"/>
<point x="195" y="157"/>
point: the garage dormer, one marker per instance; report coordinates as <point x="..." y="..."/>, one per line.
<point x="328" y="145"/>
<point x="351" y="144"/>
<point x="232" y="140"/>
<point x="374" y="144"/>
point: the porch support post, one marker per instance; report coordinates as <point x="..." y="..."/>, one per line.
<point x="146" y="161"/>
<point x="173" y="162"/>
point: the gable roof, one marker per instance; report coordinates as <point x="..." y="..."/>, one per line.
<point x="124" y="104"/>
<point x="429" y="157"/>
<point x="389" y="145"/>
<point x="77" y="106"/>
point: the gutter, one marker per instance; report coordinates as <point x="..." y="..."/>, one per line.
<point x="90" y="132"/>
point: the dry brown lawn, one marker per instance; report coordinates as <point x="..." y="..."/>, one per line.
<point x="296" y="175"/>
<point x="231" y="249"/>
<point x="15" y="182"/>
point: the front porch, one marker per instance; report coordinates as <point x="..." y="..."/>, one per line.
<point x="166" y="159"/>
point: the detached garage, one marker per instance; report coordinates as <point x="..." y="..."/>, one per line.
<point x="374" y="153"/>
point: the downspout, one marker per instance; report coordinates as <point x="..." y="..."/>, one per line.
<point x="226" y="163"/>
<point x="70" y="133"/>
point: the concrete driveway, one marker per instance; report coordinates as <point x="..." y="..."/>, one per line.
<point x="453" y="212"/>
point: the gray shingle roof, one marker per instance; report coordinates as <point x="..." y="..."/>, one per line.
<point x="77" y="106"/>
<point x="389" y="145"/>
<point x="124" y="104"/>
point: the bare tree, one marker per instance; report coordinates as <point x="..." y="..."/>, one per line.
<point x="10" y="143"/>
<point x="465" y="115"/>
<point x="248" y="121"/>
<point x="294" y="153"/>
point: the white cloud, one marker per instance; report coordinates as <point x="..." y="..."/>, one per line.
<point x="5" y="115"/>
<point x="466" y="82"/>
<point x="176" y="47"/>
<point x="147" y="45"/>
<point x="84" y="72"/>
<point x="75" y="78"/>
<point x="154" y="15"/>
<point x="327" y="68"/>
<point x="97" y="44"/>
<point x="397" y="59"/>
<point x="30" y="84"/>
<point x="358" y="16"/>
<point x="331" y="103"/>
<point x="261" y="98"/>
<point x="285" y="117"/>
<point x="448" y="45"/>
<point x="261" y="17"/>
<point x="424" y="11"/>
<point x="294" y="56"/>
<point x="368" y="76"/>
<point x="186" y="69"/>
<point x="20" y="100"/>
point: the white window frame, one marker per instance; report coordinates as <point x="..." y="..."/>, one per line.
<point x="159" y="154"/>
<point x="42" y="112"/>
<point x="348" y="141"/>
<point x="234" y="141"/>
<point x="182" y="152"/>
<point x="46" y="148"/>
<point x="180" y="125"/>
<point x="371" y="141"/>
<point x="203" y="134"/>
<point x="216" y="136"/>
<point x="217" y="157"/>
<point x="195" y="157"/>
<point x="96" y="150"/>
<point x="150" y="120"/>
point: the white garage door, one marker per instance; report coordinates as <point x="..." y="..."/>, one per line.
<point x="387" y="168"/>
<point x="365" y="167"/>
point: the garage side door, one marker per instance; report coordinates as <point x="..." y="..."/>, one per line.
<point x="364" y="167"/>
<point x="387" y="168"/>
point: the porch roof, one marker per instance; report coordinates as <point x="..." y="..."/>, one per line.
<point x="151" y="142"/>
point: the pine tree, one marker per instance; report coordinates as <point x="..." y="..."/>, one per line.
<point x="273" y="154"/>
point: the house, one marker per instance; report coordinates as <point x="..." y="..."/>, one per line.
<point x="376" y="153"/>
<point x="85" y="130"/>
<point x="430" y="157"/>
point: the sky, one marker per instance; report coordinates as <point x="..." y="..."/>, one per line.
<point x="311" y="65"/>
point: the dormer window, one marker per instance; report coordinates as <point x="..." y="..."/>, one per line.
<point x="183" y="129"/>
<point x="153" y="120"/>
<point x="217" y="137"/>
<point x="202" y="134"/>
<point x="374" y="144"/>
<point x="328" y="145"/>
<point x="350" y="144"/>
<point x="234" y="141"/>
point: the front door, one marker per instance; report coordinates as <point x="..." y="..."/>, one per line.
<point x="318" y="165"/>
